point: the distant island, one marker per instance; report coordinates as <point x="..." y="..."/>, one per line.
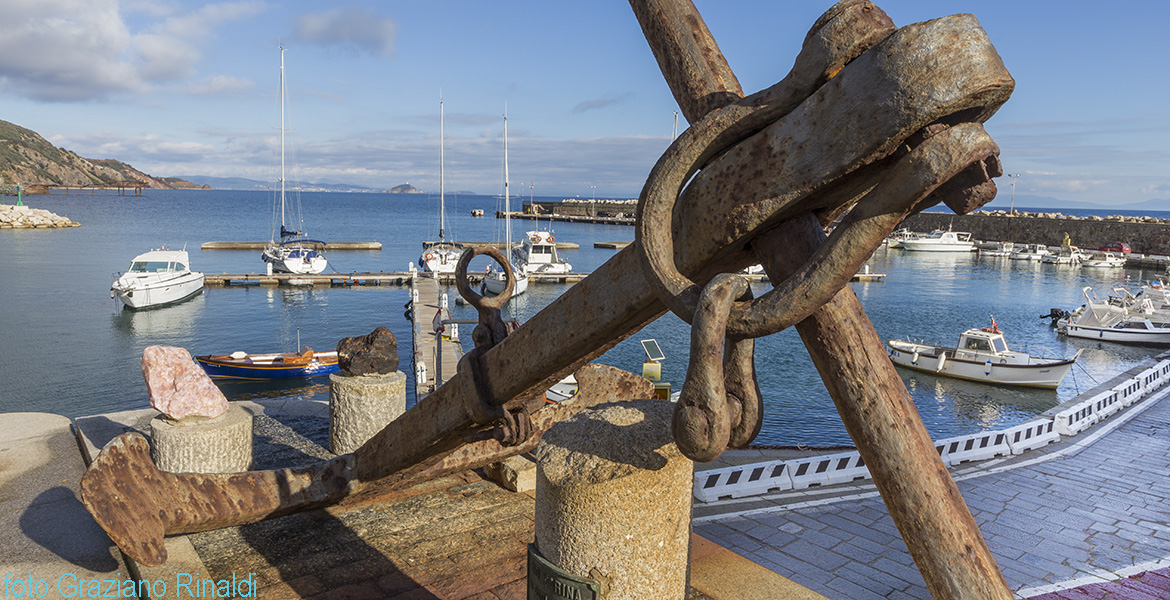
<point x="405" y="188"/>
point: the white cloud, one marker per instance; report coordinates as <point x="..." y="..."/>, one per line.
<point x="350" y="27"/>
<point x="78" y="50"/>
<point x="221" y="85"/>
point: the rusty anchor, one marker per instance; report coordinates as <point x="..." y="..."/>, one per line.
<point x="870" y="117"/>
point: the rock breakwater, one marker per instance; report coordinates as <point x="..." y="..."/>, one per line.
<point x="24" y="217"/>
<point x="1147" y="235"/>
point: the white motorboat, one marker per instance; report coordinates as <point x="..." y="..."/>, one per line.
<point x="941" y="241"/>
<point x="1067" y="255"/>
<point x="441" y="256"/>
<point x="1113" y="321"/>
<point x="156" y="278"/>
<point x="895" y="240"/>
<point x="496" y="280"/>
<point x="294" y="253"/>
<point x="1031" y="252"/>
<point x="1106" y="260"/>
<point x="996" y="249"/>
<point x="538" y="255"/>
<point x="982" y="355"/>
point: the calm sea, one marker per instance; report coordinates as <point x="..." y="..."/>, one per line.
<point x="65" y="346"/>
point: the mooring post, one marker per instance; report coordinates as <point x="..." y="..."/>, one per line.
<point x="878" y="413"/>
<point x="613" y="506"/>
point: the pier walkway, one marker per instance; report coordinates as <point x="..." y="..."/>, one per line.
<point x="358" y="278"/>
<point x="436" y="356"/>
<point x="1077" y="513"/>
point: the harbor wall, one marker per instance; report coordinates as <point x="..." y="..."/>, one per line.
<point x="1146" y="235"/>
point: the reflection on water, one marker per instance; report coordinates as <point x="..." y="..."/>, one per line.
<point x="316" y="388"/>
<point x="162" y="322"/>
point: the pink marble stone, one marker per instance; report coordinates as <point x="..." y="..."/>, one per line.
<point x="178" y="386"/>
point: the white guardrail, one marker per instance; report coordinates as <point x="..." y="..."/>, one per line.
<point x="779" y="475"/>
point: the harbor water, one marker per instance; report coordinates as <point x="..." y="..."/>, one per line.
<point x="66" y="347"/>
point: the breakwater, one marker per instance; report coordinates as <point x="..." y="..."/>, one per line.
<point x="23" y="217"/>
<point x="1146" y="235"/>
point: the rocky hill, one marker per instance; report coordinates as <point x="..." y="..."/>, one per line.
<point x="405" y="188"/>
<point x="28" y="158"/>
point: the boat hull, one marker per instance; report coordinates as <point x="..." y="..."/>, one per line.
<point x="267" y="366"/>
<point x="919" y="246"/>
<point x="495" y="285"/>
<point x="1046" y="375"/>
<point x="440" y="259"/>
<point x="1157" y="336"/>
<point x="160" y="293"/>
<point x="297" y="260"/>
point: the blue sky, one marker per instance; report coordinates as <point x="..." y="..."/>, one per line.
<point x="189" y="88"/>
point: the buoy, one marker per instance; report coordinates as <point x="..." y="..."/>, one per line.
<point x="914" y="358"/>
<point x="987" y="364"/>
<point x="942" y="360"/>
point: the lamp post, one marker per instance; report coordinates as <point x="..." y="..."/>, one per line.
<point x="1012" y="206"/>
<point x="593" y="200"/>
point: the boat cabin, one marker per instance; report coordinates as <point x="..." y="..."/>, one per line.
<point x="983" y="340"/>
<point x="538" y="254"/>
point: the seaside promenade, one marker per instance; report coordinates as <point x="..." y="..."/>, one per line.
<point x="1061" y="520"/>
<point x="1074" y="520"/>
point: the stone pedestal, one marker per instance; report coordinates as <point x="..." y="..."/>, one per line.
<point x="360" y="406"/>
<point x="613" y="500"/>
<point x="220" y="444"/>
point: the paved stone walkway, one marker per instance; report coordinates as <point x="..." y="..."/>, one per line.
<point x="1079" y="512"/>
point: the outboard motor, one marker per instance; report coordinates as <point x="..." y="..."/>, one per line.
<point x="1055" y="314"/>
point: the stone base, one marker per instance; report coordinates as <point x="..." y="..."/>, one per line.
<point x="613" y="500"/>
<point x="516" y="473"/>
<point x="199" y="445"/>
<point x="360" y="406"/>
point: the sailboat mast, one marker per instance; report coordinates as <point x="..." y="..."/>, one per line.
<point x="442" y="207"/>
<point x="282" y="140"/>
<point x="507" y="205"/>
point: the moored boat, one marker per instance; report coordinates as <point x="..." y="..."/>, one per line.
<point x="941" y="241"/>
<point x="496" y="280"/>
<point x="1067" y="255"/>
<point x="982" y="354"/>
<point x="285" y="365"/>
<point x="1106" y="260"/>
<point x="294" y="253"/>
<point x="538" y="255"/>
<point x="157" y="278"/>
<point x="1031" y="252"/>
<point x="441" y="256"/>
<point x="1113" y="321"/>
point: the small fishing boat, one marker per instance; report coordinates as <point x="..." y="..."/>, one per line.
<point x="941" y="241"/>
<point x="982" y="354"/>
<point x="996" y="249"/>
<point x="1067" y="255"/>
<point x="157" y="278"/>
<point x="1114" y="321"/>
<point x="1107" y="260"/>
<point x="895" y="240"/>
<point x="1031" y="252"/>
<point x="286" y="365"/>
<point x="538" y="255"/>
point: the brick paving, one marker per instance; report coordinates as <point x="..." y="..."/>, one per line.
<point x="1086" y="517"/>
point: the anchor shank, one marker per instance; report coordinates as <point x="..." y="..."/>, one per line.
<point x="922" y="498"/>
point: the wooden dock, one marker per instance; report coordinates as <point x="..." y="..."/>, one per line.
<point x="503" y="245"/>
<point x="309" y="243"/>
<point x="436" y="356"/>
<point x="357" y="278"/>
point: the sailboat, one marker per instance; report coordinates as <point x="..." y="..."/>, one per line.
<point x="294" y="253"/>
<point x="441" y="256"/>
<point x="496" y="280"/>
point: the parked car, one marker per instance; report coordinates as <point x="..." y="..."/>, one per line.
<point x="1121" y="247"/>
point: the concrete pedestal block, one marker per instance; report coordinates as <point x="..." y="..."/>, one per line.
<point x="220" y="444"/>
<point x="613" y="500"/>
<point x="360" y="406"/>
<point x="516" y="473"/>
